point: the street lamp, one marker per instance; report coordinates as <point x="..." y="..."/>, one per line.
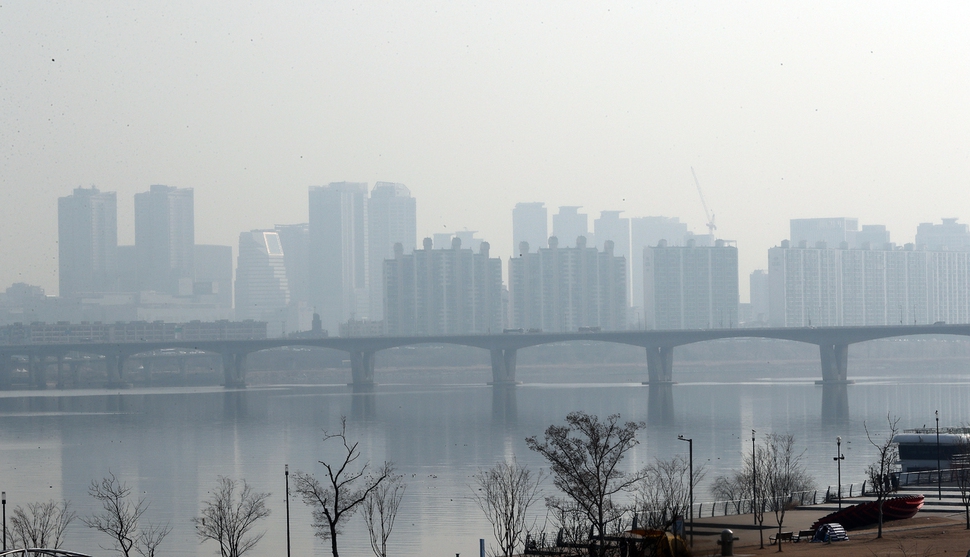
<point x="754" y="480"/>
<point x="690" y="443"/>
<point x="286" y="472"/>
<point x="839" y="459"/>
<point x="3" y="497"/>
<point x="939" y="473"/>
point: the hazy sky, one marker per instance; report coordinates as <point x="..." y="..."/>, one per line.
<point x="784" y="109"/>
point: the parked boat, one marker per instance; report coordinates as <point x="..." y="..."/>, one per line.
<point x="864" y="514"/>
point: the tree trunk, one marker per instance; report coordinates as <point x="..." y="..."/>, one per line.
<point x="333" y="539"/>
<point x="879" y="535"/>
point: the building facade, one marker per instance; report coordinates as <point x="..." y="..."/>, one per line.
<point x="262" y="291"/>
<point x="568" y="225"/>
<point x="823" y="286"/>
<point x="87" y="230"/>
<point x="392" y="219"/>
<point x="442" y="291"/>
<point x="564" y="289"/>
<point x="338" y="252"/>
<point x="530" y="224"/>
<point x="690" y="287"/>
<point x="165" y="239"/>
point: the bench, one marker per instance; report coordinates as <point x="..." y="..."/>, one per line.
<point x="806" y="535"/>
<point x="781" y="537"/>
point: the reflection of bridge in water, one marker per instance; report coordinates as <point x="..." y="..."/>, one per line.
<point x="833" y="343"/>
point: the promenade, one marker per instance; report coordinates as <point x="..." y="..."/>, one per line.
<point x="928" y="533"/>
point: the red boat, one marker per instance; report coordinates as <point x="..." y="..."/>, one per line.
<point x="864" y="514"/>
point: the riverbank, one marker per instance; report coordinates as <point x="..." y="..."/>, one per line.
<point x="926" y="534"/>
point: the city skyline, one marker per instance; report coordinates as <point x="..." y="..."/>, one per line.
<point x="784" y="111"/>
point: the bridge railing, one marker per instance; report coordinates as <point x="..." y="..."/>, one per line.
<point x="746" y="506"/>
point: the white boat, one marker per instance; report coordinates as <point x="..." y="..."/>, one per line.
<point x="923" y="449"/>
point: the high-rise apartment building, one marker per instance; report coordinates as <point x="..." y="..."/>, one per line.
<point x="165" y="239"/>
<point x="609" y="227"/>
<point x="338" y="252"/>
<point x="690" y="287"/>
<point x="759" y="291"/>
<point x="87" y="229"/>
<point x="392" y="219"/>
<point x="568" y="225"/>
<point x="950" y="235"/>
<point x="563" y="289"/>
<point x="443" y="291"/>
<point x="832" y="231"/>
<point x="262" y="291"/>
<point x="824" y="286"/>
<point x="646" y="232"/>
<point x="530" y="224"/>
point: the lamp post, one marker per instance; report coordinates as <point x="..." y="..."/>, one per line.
<point x="939" y="473"/>
<point x="690" y="444"/>
<point x="286" y="473"/>
<point x="839" y="459"/>
<point x="754" y="480"/>
<point x="3" y="497"/>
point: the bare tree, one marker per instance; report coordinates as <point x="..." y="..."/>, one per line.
<point x="343" y="491"/>
<point x="664" y="492"/>
<point x="40" y="524"/>
<point x="784" y="475"/>
<point x="749" y="481"/>
<point x="584" y="456"/>
<point x="960" y="470"/>
<point x="380" y="510"/>
<point x="229" y="515"/>
<point x="505" y="492"/>
<point x="120" y="516"/>
<point x="887" y="453"/>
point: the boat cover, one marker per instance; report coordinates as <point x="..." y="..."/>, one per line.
<point x="831" y="532"/>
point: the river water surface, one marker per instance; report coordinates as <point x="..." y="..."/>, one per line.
<point x="439" y="429"/>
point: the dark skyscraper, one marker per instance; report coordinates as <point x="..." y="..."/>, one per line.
<point x="165" y="239"/>
<point x="338" y="252"/>
<point x="87" y="229"/>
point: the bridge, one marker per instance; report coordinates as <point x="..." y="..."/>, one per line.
<point x="833" y="343"/>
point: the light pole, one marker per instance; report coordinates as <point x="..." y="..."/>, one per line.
<point x="3" y="497"/>
<point x="690" y="444"/>
<point x="286" y="473"/>
<point x="939" y="473"/>
<point x="839" y="459"/>
<point x="754" y="480"/>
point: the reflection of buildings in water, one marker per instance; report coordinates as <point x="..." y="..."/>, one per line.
<point x="504" y="406"/>
<point x="835" y="402"/>
<point x="234" y="405"/>
<point x="363" y="403"/>
<point x="660" y="405"/>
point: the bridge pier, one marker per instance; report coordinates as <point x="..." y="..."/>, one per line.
<point x="835" y="362"/>
<point x="362" y="368"/>
<point x="37" y="367"/>
<point x="60" y="370"/>
<point x="503" y="366"/>
<point x="5" y="367"/>
<point x="660" y="364"/>
<point x="234" y="369"/>
<point x="115" y="367"/>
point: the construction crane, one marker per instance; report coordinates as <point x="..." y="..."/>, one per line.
<point x="711" y="227"/>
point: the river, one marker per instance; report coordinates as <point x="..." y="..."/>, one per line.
<point x="439" y="428"/>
